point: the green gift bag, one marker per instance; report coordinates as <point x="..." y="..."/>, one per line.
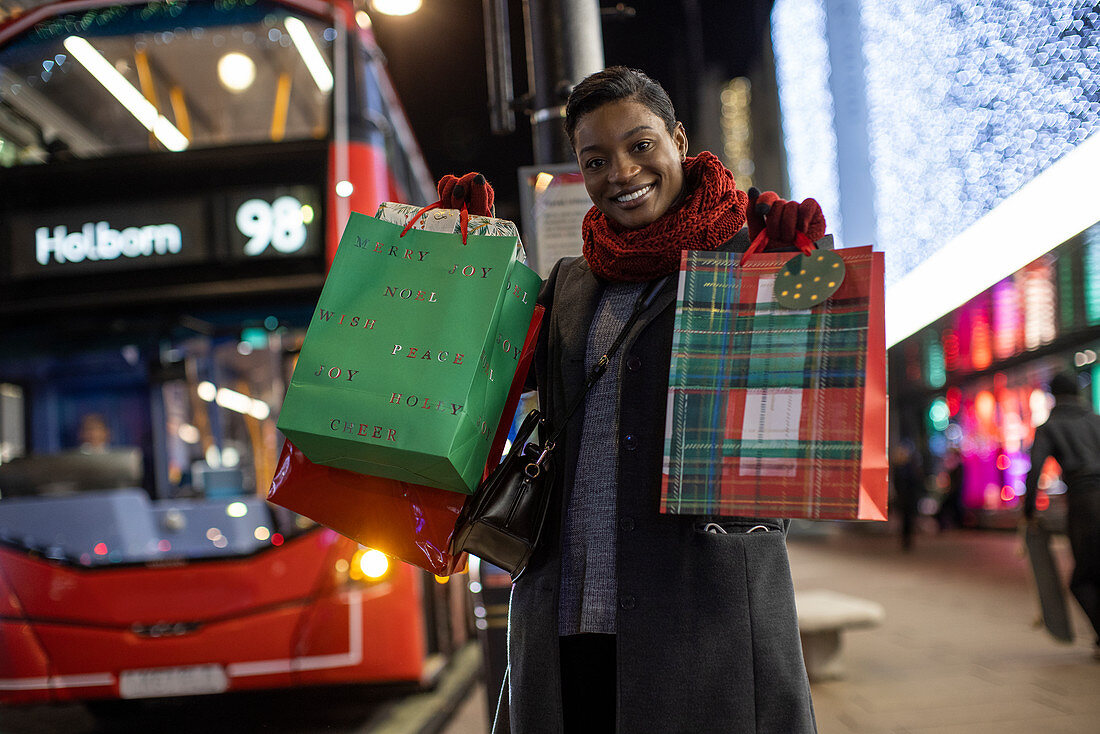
<point x="407" y="361"/>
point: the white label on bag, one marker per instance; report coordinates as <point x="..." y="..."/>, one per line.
<point x="771" y="419"/>
<point x="772" y="415"/>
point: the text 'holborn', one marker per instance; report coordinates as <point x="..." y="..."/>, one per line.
<point x="100" y="242"/>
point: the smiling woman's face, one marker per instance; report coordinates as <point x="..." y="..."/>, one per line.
<point x="632" y="166"/>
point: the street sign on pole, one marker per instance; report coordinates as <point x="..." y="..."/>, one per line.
<point x="553" y="202"/>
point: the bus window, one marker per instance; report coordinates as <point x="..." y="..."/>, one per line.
<point x="84" y="406"/>
<point x="220" y="411"/>
<point x="187" y="416"/>
<point x="157" y="443"/>
<point x="163" y="76"/>
<point x="12" y="419"/>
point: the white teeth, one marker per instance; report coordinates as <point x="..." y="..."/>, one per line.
<point x="632" y="196"/>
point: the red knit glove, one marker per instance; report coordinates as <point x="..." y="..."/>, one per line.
<point x="783" y="218"/>
<point x="472" y="190"/>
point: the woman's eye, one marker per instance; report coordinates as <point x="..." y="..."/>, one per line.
<point x="594" y="163"/>
<point x="643" y="145"/>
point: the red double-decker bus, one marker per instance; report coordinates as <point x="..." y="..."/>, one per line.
<point x="173" y="179"/>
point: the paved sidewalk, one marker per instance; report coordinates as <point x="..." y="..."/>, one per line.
<point x="958" y="653"/>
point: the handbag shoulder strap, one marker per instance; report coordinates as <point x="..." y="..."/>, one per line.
<point x="645" y="300"/>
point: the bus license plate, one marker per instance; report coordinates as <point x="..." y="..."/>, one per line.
<point x="191" y="680"/>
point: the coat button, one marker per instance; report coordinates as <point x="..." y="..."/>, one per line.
<point x="633" y="363"/>
<point x="626" y="523"/>
<point x="629" y="442"/>
<point x="626" y="602"/>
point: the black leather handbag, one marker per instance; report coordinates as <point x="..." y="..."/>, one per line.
<point x="502" y="520"/>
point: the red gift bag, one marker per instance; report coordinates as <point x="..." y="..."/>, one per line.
<point x="411" y="522"/>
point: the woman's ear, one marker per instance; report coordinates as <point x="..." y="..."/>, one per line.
<point x="681" y="139"/>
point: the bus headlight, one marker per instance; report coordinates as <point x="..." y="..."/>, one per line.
<point x="368" y="565"/>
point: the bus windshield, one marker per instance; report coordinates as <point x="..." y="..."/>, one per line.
<point x="173" y="75"/>
<point x="154" y="448"/>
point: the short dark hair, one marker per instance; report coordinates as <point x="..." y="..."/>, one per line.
<point x="613" y="84"/>
<point x="1063" y="384"/>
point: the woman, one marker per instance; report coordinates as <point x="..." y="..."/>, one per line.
<point x="626" y="619"/>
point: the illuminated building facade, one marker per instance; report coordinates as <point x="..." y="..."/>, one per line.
<point x="961" y="139"/>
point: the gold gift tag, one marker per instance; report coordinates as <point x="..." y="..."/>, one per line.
<point x="807" y="280"/>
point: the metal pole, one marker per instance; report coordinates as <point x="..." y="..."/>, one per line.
<point x="564" y="45"/>
<point x="498" y="66"/>
<point x="341" y="134"/>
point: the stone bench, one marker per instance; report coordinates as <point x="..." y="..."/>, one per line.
<point x="822" y="616"/>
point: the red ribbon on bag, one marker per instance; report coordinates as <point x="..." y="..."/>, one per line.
<point x="469" y="194"/>
<point x="760" y="243"/>
<point x="463" y="218"/>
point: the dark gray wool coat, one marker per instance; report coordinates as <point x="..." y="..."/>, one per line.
<point x="707" y="630"/>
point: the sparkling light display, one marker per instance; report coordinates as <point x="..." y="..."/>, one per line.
<point x="1092" y="274"/>
<point x="737" y="131"/>
<point x="936" y="368"/>
<point x="939" y="415"/>
<point x="806" y="103"/>
<point x="967" y="104"/>
<point x="1096" y="392"/>
<point x="950" y="349"/>
<point x="981" y="340"/>
<point x="1006" y="319"/>
<point x="1039" y="297"/>
<point x="1066" y="289"/>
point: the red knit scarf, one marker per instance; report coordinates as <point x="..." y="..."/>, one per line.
<point x="712" y="211"/>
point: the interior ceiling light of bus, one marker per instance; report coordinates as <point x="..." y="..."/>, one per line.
<point x="236" y="71"/>
<point x="233" y="400"/>
<point x="126" y="93"/>
<point x="310" y="54"/>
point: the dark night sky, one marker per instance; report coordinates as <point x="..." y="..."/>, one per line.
<point x="436" y="58"/>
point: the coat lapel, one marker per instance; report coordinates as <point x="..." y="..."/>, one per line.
<point x="575" y="304"/>
<point x="665" y="298"/>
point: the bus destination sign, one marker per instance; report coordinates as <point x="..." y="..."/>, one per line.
<point x="254" y="223"/>
<point x="82" y="240"/>
<point x="279" y="221"/>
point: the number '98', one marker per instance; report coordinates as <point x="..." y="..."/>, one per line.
<point x="278" y="224"/>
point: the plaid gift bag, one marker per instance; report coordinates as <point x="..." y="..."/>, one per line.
<point x="776" y="412"/>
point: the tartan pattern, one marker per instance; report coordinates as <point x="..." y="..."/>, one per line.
<point x="765" y="404"/>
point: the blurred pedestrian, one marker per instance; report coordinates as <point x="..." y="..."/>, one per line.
<point x="626" y="619"/>
<point x="950" y="514"/>
<point x="908" y="483"/>
<point x="1072" y="436"/>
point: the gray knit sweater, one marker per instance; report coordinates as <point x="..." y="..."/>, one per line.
<point x="588" y="587"/>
